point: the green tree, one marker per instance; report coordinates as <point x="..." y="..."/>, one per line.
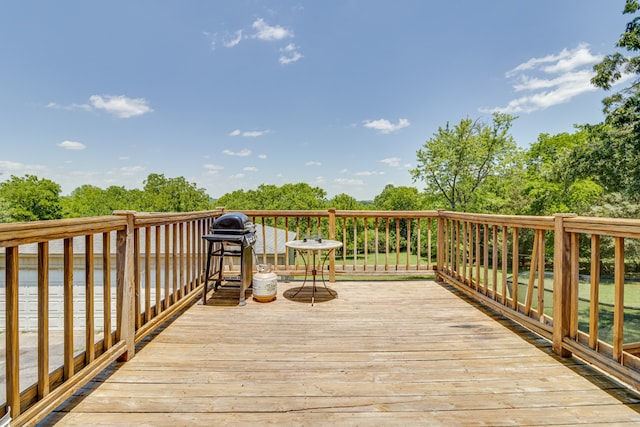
<point x="614" y="148"/>
<point x="163" y="194"/>
<point x="344" y="202"/>
<point x="286" y="197"/>
<point x="30" y="199"/>
<point x="88" y="200"/>
<point x="399" y="199"/>
<point x="394" y="198"/>
<point x="552" y="186"/>
<point x="458" y="161"/>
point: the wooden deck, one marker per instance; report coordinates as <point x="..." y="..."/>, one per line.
<point x="382" y="353"/>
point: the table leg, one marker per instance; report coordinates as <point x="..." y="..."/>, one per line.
<point x="314" y="274"/>
<point x="326" y="256"/>
<point x="306" y="269"/>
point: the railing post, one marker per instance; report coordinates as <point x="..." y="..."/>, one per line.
<point x="12" y="337"/>
<point x="332" y="236"/>
<point x="125" y="301"/>
<point x="440" y="245"/>
<point x="561" y="284"/>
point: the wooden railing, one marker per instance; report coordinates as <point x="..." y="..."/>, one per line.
<point x="158" y="261"/>
<point x="373" y="242"/>
<point x="137" y="270"/>
<point x="504" y="262"/>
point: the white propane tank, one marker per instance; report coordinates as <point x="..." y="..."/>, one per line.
<point x="265" y="284"/>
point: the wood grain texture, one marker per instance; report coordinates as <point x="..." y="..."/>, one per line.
<point x="381" y="353"/>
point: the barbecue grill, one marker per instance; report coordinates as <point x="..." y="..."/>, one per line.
<point x="231" y="234"/>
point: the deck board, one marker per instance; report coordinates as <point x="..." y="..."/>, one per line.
<point x="382" y="353"/>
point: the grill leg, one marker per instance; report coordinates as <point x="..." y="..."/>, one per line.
<point x="246" y="273"/>
<point x="206" y="274"/>
<point x="217" y="275"/>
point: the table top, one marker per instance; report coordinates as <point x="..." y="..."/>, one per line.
<point x="314" y="245"/>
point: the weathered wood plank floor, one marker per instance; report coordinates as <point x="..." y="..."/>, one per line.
<point x="382" y="353"/>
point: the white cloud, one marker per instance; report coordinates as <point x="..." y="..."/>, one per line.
<point x="127" y="170"/>
<point x="564" y="61"/>
<point x="250" y="169"/>
<point x="369" y="173"/>
<point x="393" y="162"/>
<point x="289" y="54"/>
<point x="233" y="41"/>
<point x="313" y="163"/>
<point x="211" y="166"/>
<point x="346" y="181"/>
<point x="212" y="39"/>
<point x="7" y="165"/>
<point x="262" y="156"/>
<point x="242" y="153"/>
<point x="72" y="145"/>
<point x="267" y="32"/>
<point x="550" y="80"/>
<point x="56" y="106"/>
<point x="121" y="106"/>
<point x="237" y="176"/>
<point x="385" y="126"/>
<point x="255" y="133"/>
<point x="211" y="169"/>
<point x="249" y="134"/>
<point x="260" y="31"/>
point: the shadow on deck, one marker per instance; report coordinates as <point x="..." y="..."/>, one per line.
<point x="381" y="353"/>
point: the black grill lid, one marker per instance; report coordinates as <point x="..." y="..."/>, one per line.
<point x="232" y="222"/>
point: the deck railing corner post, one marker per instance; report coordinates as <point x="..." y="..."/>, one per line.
<point x="561" y="284"/>
<point x="125" y="286"/>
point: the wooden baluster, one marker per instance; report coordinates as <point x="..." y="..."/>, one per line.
<point x="365" y="221"/>
<point x="43" y="319"/>
<point x="419" y="244"/>
<point x="89" y="300"/>
<point x="505" y="262"/>
<point x="485" y="230"/>
<point x="515" y="267"/>
<point x="541" y="275"/>
<point x="68" y="308"/>
<point x="386" y="244"/>
<point x="478" y="257"/>
<point x="158" y="268"/>
<point x="594" y="292"/>
<point x="574" y="293"/>
<point x="618" y="301"/>
<point x="106" y="290"/>
<point x="147" y="275"/>
<point x="12" y="344"/>
<point x="377" y="243"/>
<point x="174" y="263"/>
<point x="408" y="243"/>
<point x="494" y="262"/>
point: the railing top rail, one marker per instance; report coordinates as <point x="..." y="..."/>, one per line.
<point x="340" y="213"/>
<point x="618" y="227"/>
<point x="285" y="213"/>
<point x="20" y="233"/>
<point x="146" y="219"/>
<point x="538" y="222"/>
<point x="387" y="214"/>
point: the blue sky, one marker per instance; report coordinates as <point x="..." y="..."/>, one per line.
<point x="234" y="94"/>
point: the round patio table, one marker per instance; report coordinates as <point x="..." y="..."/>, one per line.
<point x="314" y="246"/>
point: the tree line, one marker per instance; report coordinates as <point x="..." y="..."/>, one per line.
<point x="472" y="166"/>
